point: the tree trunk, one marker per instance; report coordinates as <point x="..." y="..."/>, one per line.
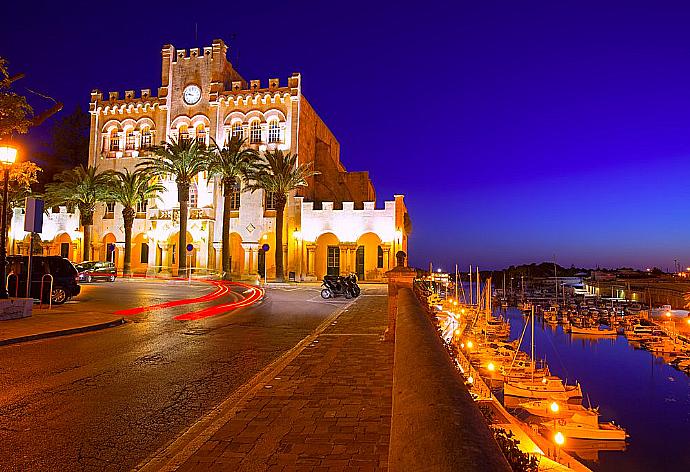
<point x="227" y="196"/>
<point x="281" y="200"/>
<point x="128" y="214"/>
<point x="86" y="217"/>
<point x="183" y="197"/>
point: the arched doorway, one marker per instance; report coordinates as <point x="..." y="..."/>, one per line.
<point x="63" y="245"/>
<point x="327" y="256"/>
<point x="368" y="257"/>
<point x="172" y="254"/>
<point x="267" y="262"/>
<point x="108" y="251"/>
<point x="236" y="255"/>
<point x="140" y="253"/>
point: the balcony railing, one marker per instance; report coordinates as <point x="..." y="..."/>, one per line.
<point x="174" y="214"/>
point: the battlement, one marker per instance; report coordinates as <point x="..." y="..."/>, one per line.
<point x="348" y="223"/>
<point x="255" y="86"/>
<point x="129" y="96"/>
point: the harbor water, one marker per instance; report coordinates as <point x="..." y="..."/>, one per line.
<point x="631" y="387"/>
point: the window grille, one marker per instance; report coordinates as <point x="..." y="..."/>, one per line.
<point x="130" y="141"/>
<point x="273" y="132"/>
<point x="146" y="138"/>
<point x="255" y="132"/>
<point x="235" y="195"/>
<point x="270" y="203"/>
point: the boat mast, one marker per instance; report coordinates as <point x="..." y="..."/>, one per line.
<point x="533" y="365"/>
<point x="479" y="289"/>
<point x="456" y="282"/>
<point x="555" y="274"/>
<point x="470" y="284"/>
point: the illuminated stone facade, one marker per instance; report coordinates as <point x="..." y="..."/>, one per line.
<point x="331" y="223"/>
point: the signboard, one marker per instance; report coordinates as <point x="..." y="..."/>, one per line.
<point x="33" y="219"/>
<point x="265" y="248"/>
<point x="190" y="247"/>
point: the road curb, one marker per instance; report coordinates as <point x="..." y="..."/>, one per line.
<point x="171" y="456"/>
<point x="63" y="332"/>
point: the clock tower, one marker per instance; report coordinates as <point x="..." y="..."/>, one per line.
<point x="192" y="80"/>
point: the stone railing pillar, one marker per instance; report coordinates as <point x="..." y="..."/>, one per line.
<point x="398" y="277"/>
<point x="311" y="254"/>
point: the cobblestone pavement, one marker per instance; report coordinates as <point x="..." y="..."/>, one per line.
<point x="328" y="409"/>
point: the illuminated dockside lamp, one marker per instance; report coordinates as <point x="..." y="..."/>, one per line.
<point x="559" y="439"/>
<point x="8" y="154"/>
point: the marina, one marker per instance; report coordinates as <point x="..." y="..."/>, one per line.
<point x="594" y="384"/>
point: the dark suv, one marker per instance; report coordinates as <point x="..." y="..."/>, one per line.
<point x="91" y="271"/>
<point x="65" y="279"/>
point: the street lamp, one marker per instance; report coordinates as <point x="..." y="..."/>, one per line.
<point x="559" y="439"/>
<point x="8" y="154"/>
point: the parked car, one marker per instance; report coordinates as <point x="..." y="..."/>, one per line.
<point x="92" y="271"/>
<point x="65" y="278"/>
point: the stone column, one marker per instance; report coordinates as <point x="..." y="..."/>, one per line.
<point x="153" y="252"/>
<point x="310" y="263"/>
<point x="219" y="255"/>
<point x="165" y="262"/>
<point x="251" y="259"/>
<point x="120" y="261"/>
<point x="400" y="276"/>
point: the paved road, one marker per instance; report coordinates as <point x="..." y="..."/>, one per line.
<point x="107" y="400"/>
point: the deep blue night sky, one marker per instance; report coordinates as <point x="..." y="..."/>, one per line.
<point x="516" y="130"/>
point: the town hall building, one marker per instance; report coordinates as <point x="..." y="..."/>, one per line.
<point x="332" y="226"/>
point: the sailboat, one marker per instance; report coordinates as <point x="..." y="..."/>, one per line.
<point x="547" y="387"/>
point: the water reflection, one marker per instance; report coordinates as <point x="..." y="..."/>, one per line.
<point x="637" y="390"/>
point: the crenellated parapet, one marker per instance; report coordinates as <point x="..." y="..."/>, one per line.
<point x="348" y="223"/>
<point x="130" y="103"/>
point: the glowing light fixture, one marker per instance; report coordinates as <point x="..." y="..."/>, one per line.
<point x="8" y="154"/>
<point x="491" y="367"/>
<point x="554" y="407"/>
<point x="559" y="438"/>
<point x="470" y="380"/>
<point x="470" y="344"/>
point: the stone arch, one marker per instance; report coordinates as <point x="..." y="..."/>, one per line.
<point x="146" y="122"/>
<point x="369" y="244"/>
<point x="323" y="242"/>
<point x="234" y="117"/>
<point x="63" y="245"/>
<point x="108" y="250"/>
<point x="172" y="254"/>
<point x="140" y="253"/>
<point x="236" y="255"/>
<point x="270" y="239"/>
<point x="255" y="115"/>
<point x="274" y="113"/>
<point x="110" y="125"/>
<point x="200" y="119"/>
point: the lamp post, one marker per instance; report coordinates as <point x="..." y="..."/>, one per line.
<point x="8" y="155"/>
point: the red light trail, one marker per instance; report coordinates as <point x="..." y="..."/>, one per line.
<point x="222" y="288"/>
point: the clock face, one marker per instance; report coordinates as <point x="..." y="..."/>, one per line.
<point x="191" y="94"/>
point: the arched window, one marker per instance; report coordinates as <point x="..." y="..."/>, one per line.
<point x="130" y="140"/>
<point x="114" y="140"/>
<point x="144" y="253"/>
<point x="201" y="135"/>
<point x="255" y="132"/>
<point x="183" y="134"/>
<point x="237" y="130"/>
<point x="273" y="131"/>
<point x="193" y="196"/>
<point x="379" y="258"/>
<point x="146" y="138"/>
<point x="235" y="189"/>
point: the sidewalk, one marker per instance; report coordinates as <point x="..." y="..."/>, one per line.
<point x="58" y="321"/>
<point x="329" y="408"/>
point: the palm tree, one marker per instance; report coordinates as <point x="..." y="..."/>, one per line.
<point x="181" y="159"/>
<point x="229" y="164"/>
<point x="80" y="187"/>
<point x="129" y="189"/>
<point x="279" y="173"/>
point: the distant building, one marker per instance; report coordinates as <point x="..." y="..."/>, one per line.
<point x="332" y="226"/>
